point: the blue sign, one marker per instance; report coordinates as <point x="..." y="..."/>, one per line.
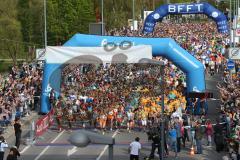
<point x="230" y="64"/>
<point x="193" y="8"/>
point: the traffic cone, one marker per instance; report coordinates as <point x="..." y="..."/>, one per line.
<point x="192" y="152"/>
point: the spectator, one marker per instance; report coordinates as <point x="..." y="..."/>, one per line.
<point x="13" y="154"/>
<point x="209" y="132"/>
<point x="198" y="137"/>
<point x="218" y="136"/>
<point x="173" y="139"/>
<point x="18" y="132"/>
<point x="3" y="145"/>
<point x="134" y="149"/>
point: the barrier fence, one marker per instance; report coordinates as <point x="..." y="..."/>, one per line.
<point x="44" y="123"/>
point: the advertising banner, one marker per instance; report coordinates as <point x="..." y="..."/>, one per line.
<point x="44" y="123"/>
<point x="123" y="52"/>
<point x="238" y="32"/>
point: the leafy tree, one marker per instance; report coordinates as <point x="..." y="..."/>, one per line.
<point x="10" y="30"/>
<point x="67" y="17"/>
<point x="30" y="14"/>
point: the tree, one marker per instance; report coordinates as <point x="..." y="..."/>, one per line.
<point x="68" y="17"/>
<point x="10" y="30"/>
<point x="30" y="14"/>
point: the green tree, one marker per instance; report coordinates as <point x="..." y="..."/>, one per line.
<point x="68" y="17"/>
<point x="10" y="30"/>
<point x="30" y="14"/>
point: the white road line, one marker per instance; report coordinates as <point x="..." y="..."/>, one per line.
<point x="71" y="151"/>
<point x="106" y="147"/>
<point x="25" y="149"/>
<point x="46" y="148"/>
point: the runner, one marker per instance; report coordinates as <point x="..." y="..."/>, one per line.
<point x="59" y="115"/>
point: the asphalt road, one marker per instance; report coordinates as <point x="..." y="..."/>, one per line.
<point x="54" y="145"/>
<point x="214" y="104"/>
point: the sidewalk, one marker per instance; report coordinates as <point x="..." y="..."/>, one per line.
<point x="26" y="121"/>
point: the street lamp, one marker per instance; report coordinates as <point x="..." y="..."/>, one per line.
<point x="45" y="23"/>
<point x="83" y="138"/>
<point x="102" y="19"/>
<point x="133" y="12"/>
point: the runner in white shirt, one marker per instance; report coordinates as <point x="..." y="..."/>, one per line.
<point x="134" y="149"/>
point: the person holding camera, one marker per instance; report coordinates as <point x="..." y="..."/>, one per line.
<point x="18" y="132"/>
<point x="3" y="145"/>
<point x="154" y="135"/>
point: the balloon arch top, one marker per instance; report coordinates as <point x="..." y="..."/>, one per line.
<point x="193" y="8"/>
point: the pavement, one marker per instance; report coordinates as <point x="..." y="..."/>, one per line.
<point x="53" y="145"/>
<point x="26" y="123"/>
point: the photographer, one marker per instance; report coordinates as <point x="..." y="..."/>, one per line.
<point x="3" y="145"/>
<point x="18" y="131"/>
<point x="155" y="136"/>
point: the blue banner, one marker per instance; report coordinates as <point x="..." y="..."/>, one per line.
<point x="193" y="8"/>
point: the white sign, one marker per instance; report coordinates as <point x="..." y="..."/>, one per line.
<point x="88" y="55"/>
<point x="185" y="8"/>
<point x="238" y="22"/>
<point x="234" y="53"/>
<point x="146" y="13"/>
<point x="40" y="54"/>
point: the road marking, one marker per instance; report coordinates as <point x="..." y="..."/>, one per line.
<point x="46" y="148"/>
<point x="71" y="151"/>
<point x="25" y="148"/>
<point x="106" y="147"/>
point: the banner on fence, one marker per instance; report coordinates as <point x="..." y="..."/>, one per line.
<point x="44" y="123"/>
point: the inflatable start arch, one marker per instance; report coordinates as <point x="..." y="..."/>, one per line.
<point x="193" y="8"/>
<point x="165" y="47"/>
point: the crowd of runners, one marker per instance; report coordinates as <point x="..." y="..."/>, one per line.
<point x="118" y="95"/>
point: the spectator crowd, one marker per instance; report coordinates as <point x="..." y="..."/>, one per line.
<point x="19" y="92"/>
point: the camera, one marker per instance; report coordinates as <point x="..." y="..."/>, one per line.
<point x="153" y="133"/>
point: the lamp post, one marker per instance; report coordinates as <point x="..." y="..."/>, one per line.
<point x="153" y="5"/>
<point x="162" y="105"/>
<point x="83" y="138"/>
<point x="133" y="12"/>
<point x="45" y="23"/>
<point x="234" y="20"/>
<point x="102" y="18"/>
